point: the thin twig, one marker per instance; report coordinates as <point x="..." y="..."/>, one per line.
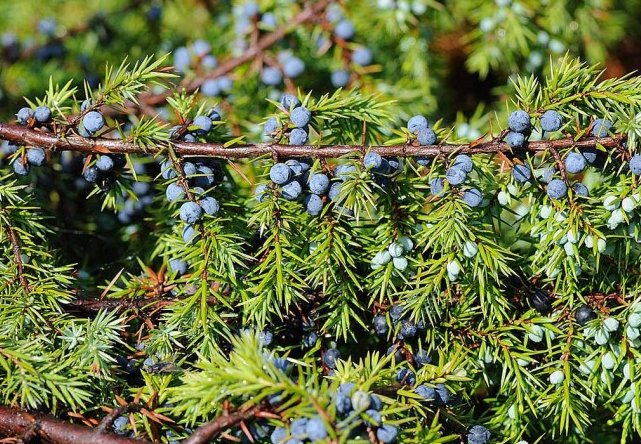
<point x="26" y="136"/>
<point x="14" y="238"/>
<point x="108" y="421"/>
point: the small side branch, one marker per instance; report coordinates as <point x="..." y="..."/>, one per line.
<point x="14" y="238"/>
<point x="310" y="13"/>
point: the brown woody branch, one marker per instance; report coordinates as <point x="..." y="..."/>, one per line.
<point x="23" y="135"/>
<point x="217" y="426"/>
<point x="17" y="256"/>
<point x="310" y="13"/>
<point x="48" y="429"/>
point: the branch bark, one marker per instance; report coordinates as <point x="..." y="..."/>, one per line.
<point x="25" y="136"/>
<point x="215" y="427"/>
<point x="15" y="423"/>
<point x="17" y="255"/>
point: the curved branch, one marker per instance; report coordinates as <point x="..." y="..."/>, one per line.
<point x="308" y="14"/>
<point x="215" y="427"/>
<point x="23" y="135"/>
<point x="16" y="423"/>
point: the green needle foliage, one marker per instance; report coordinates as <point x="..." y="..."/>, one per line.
<point x="519" y="313"/>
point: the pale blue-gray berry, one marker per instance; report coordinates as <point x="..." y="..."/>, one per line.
<point x="313" y="204"/>
<point x="319" y="183"/>
<point x="174" y="192"/>
<point x="298" y="136"/>
<point x="372" y="160"/>
<point x="23" y="115"/>
<point x="330" y="357"/>
<point x="279" y="435"/>
<point x="473" y="197"/>
<point x="300" y="117"/>
<point x="93" y="121"/>
<point x="190" y="212"/>
<point x="178" y="266"/>
<point x="590" y="154"/>
<point x="416" y="123"/>
<point x="635" y="164"/>
<point x="21" y="169"/>
<point x="105" y="163"/>
<point x="421" y="358"/>
<point x="362" y="56"/>
<point x="280" y="173"/>
<point x="521" y="173"/>
<point x="580" y="189"/>
<point x="293" y="67"/>
<point x="315" y="429"/>
<point x="425" y="392"/>
<point x="557" y="189"/>
<point x="203" y="124"/>
<point x="575" y="163"/>
<point x="261" y="192"/>
<point x="551" y="121"/>
<point x="436" y="186"/>
<point x="519" y="121"/>
<point x="91" y="174"/>
<point x="189" y="233"/>
<point x="463" y="162"/>
<point x="42" y="114"/>
<point x="210" y="205"/>
<point x="387" y="433"/>
<point x="344" y="29"/>
<point x="334" y="190"/>
<point x="340" y="78"/>
<point x="271" y="126"/>
<point x="601" y="127"/>
<point x="36" y="156"/>
<point x="514" y="139"/>
<point x="455" y="176"/>
<point x="292" y="190"/>
<point x="289" y="101"/>
<point x="478" y="435"/>
<point x="271" y="76"/>
<point x="380" y="325"/>
<point x="426" y="136"/>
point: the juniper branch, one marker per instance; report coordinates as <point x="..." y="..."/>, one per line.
<point x="49" y="429"/>
<point x="213" y="428"/>
<point x="25" y="136"/>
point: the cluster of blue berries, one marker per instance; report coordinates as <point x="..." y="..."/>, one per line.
<point x="33" y="156"/>
<point x="299" y="116"/>
<point x="456" y="175"/>
<point x="404" y="328"/>
<point x="201" y="175"/>
<point x="202" y="125"/>
<point x="293" y="177"/>
<point x="520" y="129"/>
<point x="104" y="170"/>
<point x="382" y="168"/>
<point x="349" y="401"/>
<point x="196" y="54"/>
<point x="395" y="253"/>
<point x="423" y="134"/>
<point x="38" y="116"/>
